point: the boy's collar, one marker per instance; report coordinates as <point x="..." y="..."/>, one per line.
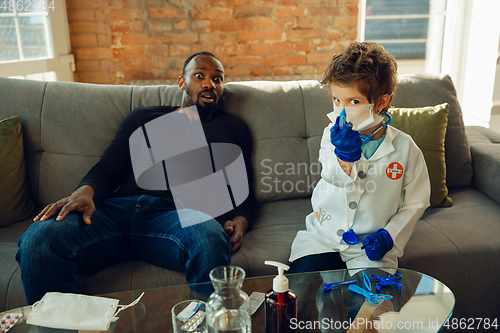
<point x="386" y="147"/>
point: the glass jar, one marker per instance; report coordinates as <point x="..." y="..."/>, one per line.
<point x="228" y="306"/>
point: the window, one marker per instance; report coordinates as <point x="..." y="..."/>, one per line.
<point x="454" y="37"/>
<point x="411" y="30"/>
<point x="24" y="31"/>
<point x="34" y="40"/>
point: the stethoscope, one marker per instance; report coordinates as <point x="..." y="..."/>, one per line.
<point x="350" y="236"/>
<point x="367" y="138"/>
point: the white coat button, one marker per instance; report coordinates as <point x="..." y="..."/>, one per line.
<point x="340" y="232"/>
<point x="362" y="174"/>
<point x="353" y="205"/>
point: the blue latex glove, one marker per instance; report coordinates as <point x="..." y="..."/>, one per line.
<point x="377" y="245"/>
<point x="346" y="141"/>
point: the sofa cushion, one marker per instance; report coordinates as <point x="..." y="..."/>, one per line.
<point x="72" y="145"/>
<point x="427" y="127"/>
<point x="471" y="227"/>
<point x="275" y="228"/>
<point x="11" y="287"/>
<point x="15" y="201"/>
<point x="423" y="90"/>
<point x="485" y="153"/>
<point x="275" y="137"/>
<point x="282" y="123"/>
<point x="11" y="233"/>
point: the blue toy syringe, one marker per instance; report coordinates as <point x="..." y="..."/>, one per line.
<point x="329" y="286"/>
<point x="343" y="119"/>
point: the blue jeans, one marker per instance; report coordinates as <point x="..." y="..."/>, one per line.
<point x="143" y="228"/>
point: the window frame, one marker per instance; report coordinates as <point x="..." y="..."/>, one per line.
<point x="435" y="34"/>
<point x="457" y="53"/>
<point x="61" y="62"/>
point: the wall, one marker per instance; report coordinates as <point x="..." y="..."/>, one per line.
<point x="117" y="41"/>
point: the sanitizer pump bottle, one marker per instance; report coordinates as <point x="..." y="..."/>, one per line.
<point x="280" y="302"/>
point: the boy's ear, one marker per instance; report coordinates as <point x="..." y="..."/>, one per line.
<point x="383" y="101"/>
<point x="181" y="81"/>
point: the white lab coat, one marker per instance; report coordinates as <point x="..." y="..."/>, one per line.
<point x="379" y="195"/>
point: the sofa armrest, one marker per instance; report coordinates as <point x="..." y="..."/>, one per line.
<point x="485" y="152"/>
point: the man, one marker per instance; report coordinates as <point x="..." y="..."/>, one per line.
<point x="109" y="219"/>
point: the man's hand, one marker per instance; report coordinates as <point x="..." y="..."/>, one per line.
<point x="236" y="229"/>
<point x="81" y="200"/>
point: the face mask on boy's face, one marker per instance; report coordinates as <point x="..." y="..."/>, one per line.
<point x="361" y="116"/>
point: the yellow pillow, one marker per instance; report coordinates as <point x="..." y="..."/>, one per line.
<point x="427" y="127"/>
<point x="15" y="203"/>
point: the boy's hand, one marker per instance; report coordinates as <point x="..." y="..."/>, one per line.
<point x="346" y="141"/>
<point x="377" y="245"/>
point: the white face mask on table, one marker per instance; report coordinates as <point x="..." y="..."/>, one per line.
<point x="76" y="312"/>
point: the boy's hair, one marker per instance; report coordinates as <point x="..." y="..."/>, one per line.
<point x="188" y="60"/>
<point x="369" y="66"/>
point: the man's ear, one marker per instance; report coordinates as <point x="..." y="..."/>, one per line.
<point x="181" y="81"/>
<point x="383" y="101"/>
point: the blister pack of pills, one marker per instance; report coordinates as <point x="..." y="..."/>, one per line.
<point x="9" y="320"/>
<point x="193" y="322"/>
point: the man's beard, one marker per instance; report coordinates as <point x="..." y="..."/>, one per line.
<point x="205" y="112"/>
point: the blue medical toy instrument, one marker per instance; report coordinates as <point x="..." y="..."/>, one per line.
<point x="329" y="286"/>
<point x="387" y="281"/>
<point x="372" y="298"/>
<point x="367" y="138"/>
<point x="342" y="118"/>
<point x="350" y="237"/>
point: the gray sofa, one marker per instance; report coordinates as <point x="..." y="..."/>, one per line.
<point x="68" y="125"/>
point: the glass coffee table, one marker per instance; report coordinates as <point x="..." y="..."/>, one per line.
<point x="423" y="305"/>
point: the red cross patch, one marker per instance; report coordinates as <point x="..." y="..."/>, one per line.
<point x="394" y="171"/>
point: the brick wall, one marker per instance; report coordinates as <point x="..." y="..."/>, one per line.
<point x="117" y="41"/>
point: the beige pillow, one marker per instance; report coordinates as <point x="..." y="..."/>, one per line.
<point x="15" y="202"/>
<point x="427" y="127"/>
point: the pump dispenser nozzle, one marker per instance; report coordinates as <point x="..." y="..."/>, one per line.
<point x="280" y="282"/>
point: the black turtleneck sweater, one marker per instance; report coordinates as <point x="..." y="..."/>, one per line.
<point x="113" y="176"/>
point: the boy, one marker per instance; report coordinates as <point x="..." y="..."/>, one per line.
<point x="374" y="185"/>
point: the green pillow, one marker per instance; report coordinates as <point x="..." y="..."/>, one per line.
<point x="15" y="203"/>
<point x="427" y="127"/>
